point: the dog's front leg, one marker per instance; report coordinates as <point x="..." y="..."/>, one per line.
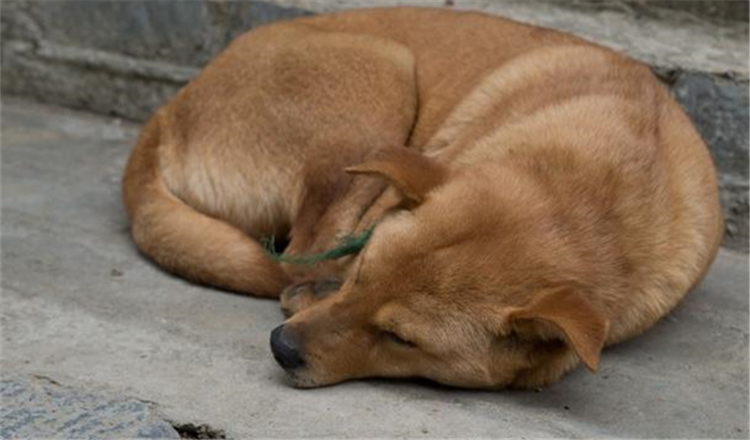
<point x="357" y="210"/>
<point x="299" y="296"/>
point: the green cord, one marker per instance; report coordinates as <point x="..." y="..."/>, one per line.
<point x="348" y="245"/>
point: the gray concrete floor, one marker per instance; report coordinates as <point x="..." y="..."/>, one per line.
<point x="82" y="307"/>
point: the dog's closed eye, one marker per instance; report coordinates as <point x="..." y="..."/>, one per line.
<point x="398" y="339"/>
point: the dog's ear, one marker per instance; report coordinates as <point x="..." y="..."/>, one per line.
<point x="568" y="314"/>
<point x="412" y="173"/>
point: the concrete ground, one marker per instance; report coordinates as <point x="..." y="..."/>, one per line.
<point x="83" y="310"/>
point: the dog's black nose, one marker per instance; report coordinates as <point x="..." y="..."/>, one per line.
<point x="285" y="349"/>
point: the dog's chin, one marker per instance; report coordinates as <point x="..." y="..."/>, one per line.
<point x="302" y="379"/>
<point x="305" y="379"/>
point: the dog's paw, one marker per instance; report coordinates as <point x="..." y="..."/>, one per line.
<point x="302" y="295"/>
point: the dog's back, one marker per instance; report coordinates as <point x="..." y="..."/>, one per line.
<point x="453" y="51"/>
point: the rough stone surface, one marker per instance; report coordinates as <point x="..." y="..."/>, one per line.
<point x="115" y="57"/>
<point x="181" y="33"/>
<point x="720" y="11"/>
<point x="127" y="58"/>
<point x="79" y="305"/>
<point x="39" y="407"/>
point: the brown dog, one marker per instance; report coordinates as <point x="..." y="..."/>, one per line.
<point x="534" y="197"/>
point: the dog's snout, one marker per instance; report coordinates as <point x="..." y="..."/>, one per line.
<point x="285" y="349"/>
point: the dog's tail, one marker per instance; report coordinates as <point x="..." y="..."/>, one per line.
<point x="186" y="242"/>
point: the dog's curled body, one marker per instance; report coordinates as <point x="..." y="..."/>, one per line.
<point x="546" y="195"/>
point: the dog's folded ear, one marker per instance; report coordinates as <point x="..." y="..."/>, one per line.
<point x="412" y="173"/>
<point x="567" y="313"/>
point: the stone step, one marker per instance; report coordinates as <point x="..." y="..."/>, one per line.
<point x="126" y="58"/>
<point x="726" y="10"/>
<point x="39" y="407"/>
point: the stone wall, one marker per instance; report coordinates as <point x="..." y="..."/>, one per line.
<point x="121" y="58"/>
<point x="124" y="58"/>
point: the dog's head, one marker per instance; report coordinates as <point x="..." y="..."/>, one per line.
<point x="455" y="287"/>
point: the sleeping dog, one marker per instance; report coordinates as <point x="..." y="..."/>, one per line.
<point x="531" y="197"/>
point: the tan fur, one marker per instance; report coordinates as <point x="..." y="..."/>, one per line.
<point x="535" y="197"/>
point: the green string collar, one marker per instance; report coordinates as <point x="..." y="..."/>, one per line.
<point x="348" y="245"/>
